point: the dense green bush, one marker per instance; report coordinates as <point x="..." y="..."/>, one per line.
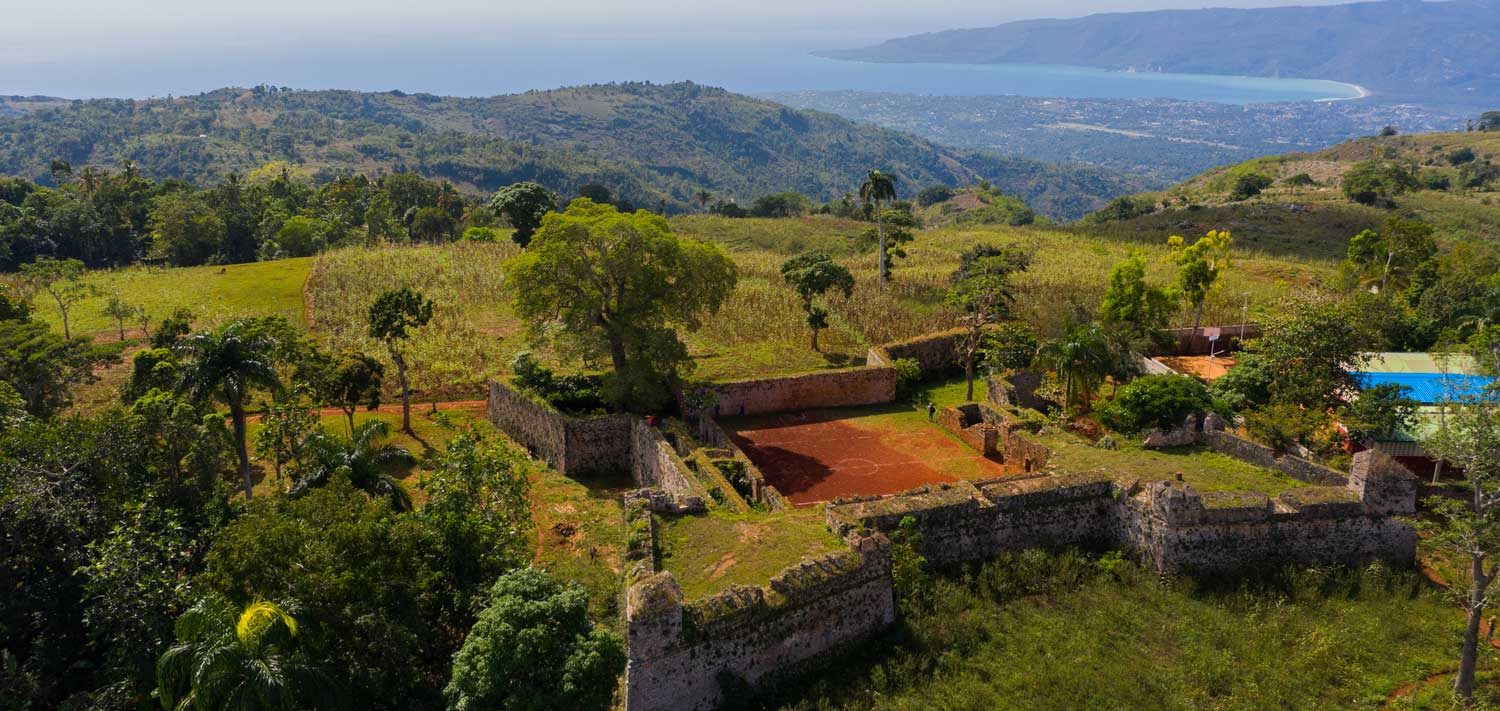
<point x="534" y="648"/>
<point x="1154" y="401"/>
<point x="1248" y="186"/>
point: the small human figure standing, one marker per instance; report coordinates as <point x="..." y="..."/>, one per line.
<point x="931" y="410"/>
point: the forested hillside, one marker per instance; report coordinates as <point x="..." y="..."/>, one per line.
<point x="1408" y="48"/>
<point x="655" y="145"/>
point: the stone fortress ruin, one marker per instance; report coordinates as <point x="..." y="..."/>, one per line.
<point x="683" y="654"/>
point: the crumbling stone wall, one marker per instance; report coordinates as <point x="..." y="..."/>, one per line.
<point x="655" y="464"/>
<point x="680" y="655"/>
<point x="761" y="490"/>
<point x="936" y="353"/>
<point x="835" y="388"/>
<point x="1263" y="456"/>
<point x="1173" y="526"/>
<point x="1016" y="389"/>
<point x="967" y="423"/>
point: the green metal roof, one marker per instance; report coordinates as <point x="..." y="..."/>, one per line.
<point x="1457" y="363"/>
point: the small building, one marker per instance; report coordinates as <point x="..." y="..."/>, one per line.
<point x="1431" y="379"/>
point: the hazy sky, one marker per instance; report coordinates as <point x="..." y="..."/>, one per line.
<point x="61" y="29"/>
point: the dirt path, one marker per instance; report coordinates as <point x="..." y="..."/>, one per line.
<point x="416" y="408"/>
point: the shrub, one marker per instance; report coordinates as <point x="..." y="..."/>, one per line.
<point x="934" y="194"/>
<point x="534" y="648"/>
<point x="1154" y="401"/>
<point x="1284" y="425"/>
<point x="1300" y="180"/>
<point x="1248" y="186"/>
<point x="1374" y="182"/>
<point x="1461" y="156"/>
<point x="1010" y="346"/>
<point x="908" y="373"/>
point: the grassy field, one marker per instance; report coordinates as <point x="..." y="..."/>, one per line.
<point x="1200" y="467"/>
<point x="212" y="294"/>
<point x="1046" y="632"/>
<point x="708" y="553"/>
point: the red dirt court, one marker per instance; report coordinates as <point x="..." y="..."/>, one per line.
<point x="820" y="455"/>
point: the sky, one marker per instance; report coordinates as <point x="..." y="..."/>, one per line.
<point x="59" y="29"/>
<point x="143" y="48"/>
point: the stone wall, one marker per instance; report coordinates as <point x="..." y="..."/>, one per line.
<point x="1173" y="526"/>
<point x="835" y="388"/>
<point x="935" y="352"/>
<point x="1263" y="456"/>
<point x="536" y="426"/>
<point x="681" y="655"/>
<point x="760" y="490"/>
<point x="967" y="423"/>
<point x="1383" y="483"/>
<point x="599" y="445"/>
<point x="655" y="464"/>
<point x="1017" y="389"/>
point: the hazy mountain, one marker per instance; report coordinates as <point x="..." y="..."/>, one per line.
<point x="1400" y="47"/>
<point x="652" y="144"/>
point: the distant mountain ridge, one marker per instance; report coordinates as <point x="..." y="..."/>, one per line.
<point x="652" y="144"/>
<point x="1405" y="48"/>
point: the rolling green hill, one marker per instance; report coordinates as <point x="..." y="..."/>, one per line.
<point x="652" y="144"/>
<point x="1454" y="186"/>
<point x="1398" y="47"/>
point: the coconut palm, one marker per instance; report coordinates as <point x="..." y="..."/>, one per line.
<point x="878" y="189"/>
<point x="1083" y="358"/>
<point x="704" y="197"/>
<point x="227" y="365"/>
<point x="227" y="658"/>
<point x="366" y="458"/>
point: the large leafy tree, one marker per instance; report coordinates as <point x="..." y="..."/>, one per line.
<point x="524" y="205"/>
<point x="814" y="274"/>
<point x="878" y="190"/>
<point x="229" y="364"/>
<point x="237" y="659"/>
<point x="1199" y="267"/>
<point x="613" y="287"/>
<point x="981" y="294"/>
<point x="393" y="316"/>
<point x="185" y="229"/>
<point x="1308" y="352"/>
<point x="366" y="459"/>
<point x="534" y="648"/>
<point x="477" y="499"/>
<point x="348" y="380"/>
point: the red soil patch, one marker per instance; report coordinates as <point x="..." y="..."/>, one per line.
<point x="811" y="459"/>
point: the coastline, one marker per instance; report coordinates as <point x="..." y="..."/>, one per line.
<point x="1363" y="94"/>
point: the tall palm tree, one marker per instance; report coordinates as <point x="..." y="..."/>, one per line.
<point x="1083" y="358"/>
<point x="878" y="189"/>
<point x="231" y="659"/>
<point x="227" y="365"/>
<point x="704" y="197"/>
<point x="365" y="458"/>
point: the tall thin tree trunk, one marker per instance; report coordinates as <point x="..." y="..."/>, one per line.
<point x="815" y="339"/>
<point x="237" y="414"/>
<point x="1463" y="685"/>
<point x="879" y="230"/>
<point x="405" y="391"/>
<point x="969" y="375"/>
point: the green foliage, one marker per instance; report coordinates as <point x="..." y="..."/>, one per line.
<point x="576" y="393"/>
<point x="1307" y="352"/>
<point x="1009" y="346"/>
<point x="1119" y="210"/>
<point x="229" y="364"/>
<point x="285" y="426"/>
<point x="523" y="205"/>
<point x="784" y="204"/>
<point x="1460" y="156"/>
<point x="366" y="459"/>
<point x="1300" y="180"/>
<point x="812" y="275"/>
<point x="1390" y="259"/>
<point x="1380" y="412"/>
<point x="1376" y="182"/>
<point x="43" y="366"/>
<point x="348" y="380"/>
<point x="1249" y="185"/>
<point x="611" y="286"/>
<point x="1130" y="304"/>
<point x="908" y="374"/>
<point x="1199" y="267"/>
<point x="534" y="648"/>
<point x="934" y="194"/>
<point x="432" y="224"/>
<point x="478" y="501"/>
<point x="337" y="551"/>
<point x="909" y="575"/>
<point x="62" y="279"/>
<point x="185" y="229"/>
<point x="1083" y="357"/>
<point x="1283" y="425"/>
<point x="227" y="658"/>
<point x="1154" y="401"/>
